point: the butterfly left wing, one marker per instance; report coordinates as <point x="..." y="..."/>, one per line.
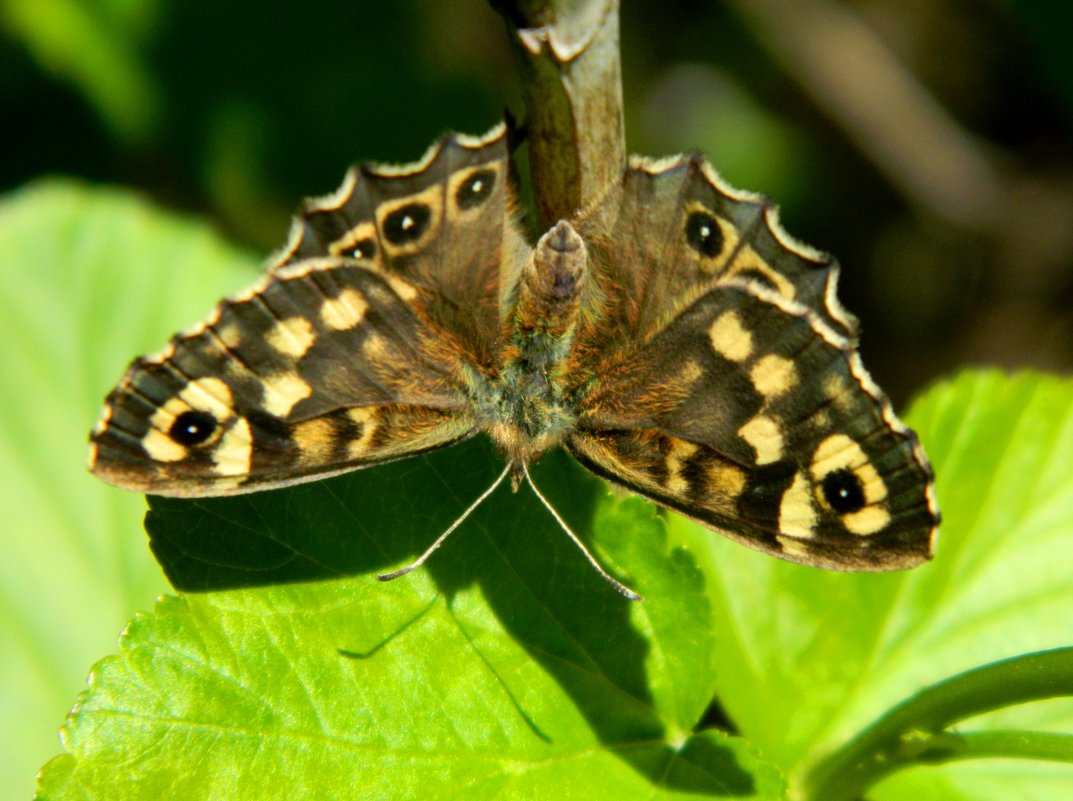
<point x="749" y="413"/>
<point x="322" y="367"/>
<point x="444" y="224"/>
<point x="364" y="342"/>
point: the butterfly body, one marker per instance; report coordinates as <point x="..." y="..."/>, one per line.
<point x="671" y="337"/>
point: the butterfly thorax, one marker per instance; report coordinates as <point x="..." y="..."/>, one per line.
<point x="529" y="412"/>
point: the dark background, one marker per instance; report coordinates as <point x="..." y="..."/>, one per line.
<point x="939" y="171"/>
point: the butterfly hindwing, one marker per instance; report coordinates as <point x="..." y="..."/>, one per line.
<point x="673" y="229"/>
<point x="444" y="223"/>
<point x="750" y="414"/>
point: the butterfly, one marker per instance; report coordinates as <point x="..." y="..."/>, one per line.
<point x="671" y="337"/>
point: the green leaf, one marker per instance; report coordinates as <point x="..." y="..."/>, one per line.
<point x="90" y="278"/>
<point x="96" y="49"/>
<point x="808" y="658"/>
<point x="504" y="668"/>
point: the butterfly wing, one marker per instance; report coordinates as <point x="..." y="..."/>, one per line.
<point x="751" y="415"/>
<point x="673" y="229"/>
<point x="444" y="224"/>
<point x="722" y="379"/>
<point x="363" y="342"/>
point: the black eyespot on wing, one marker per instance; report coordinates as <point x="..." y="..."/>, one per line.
<point x="363" y="249"/>
<point x="843" y="491"/>
<point x="192" y="428"/>
<point x="475" y="189"/>
<point x="407" y="224"/>
<point x="704" y="234"/>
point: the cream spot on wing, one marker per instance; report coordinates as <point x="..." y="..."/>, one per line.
<point x="725" y="481"/>
<point x="232" y="454"/>
<point x="292" y="337"/>
<point x="207" y="395"/>
<point x="315" y="439"/>
<point x="404" y="289"/>
<point x="345" y="311"/>
<point x="679" y="454"/>
<point x="774" y="376"/>
<point x="282" y="391"/>
<point x="797" y="515"/>
<point x="837" y="389"/>
<point x="230" y="334"/>
<point x="765" y="437"/>
<point x="867" y="521"/>
<point x="102" y="422"/>
<point x="796" y="548"/>
<point x="161" y="447"/>
<point x="688" y="374"/>
<point x="730" y="338"/>
<point x="221" y="485"/>
<point x="374" y="348"/>
<point x="365" y="418"/>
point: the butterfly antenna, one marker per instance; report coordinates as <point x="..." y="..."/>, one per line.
<point x="618" y="585"/>
<point x="402" y="571"/>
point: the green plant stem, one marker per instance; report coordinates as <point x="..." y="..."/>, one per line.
<point x="912" y="732"/>
<point x="1047" y="746"/>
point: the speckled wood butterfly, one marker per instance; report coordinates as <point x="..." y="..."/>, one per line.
<point x="671" y="337"/>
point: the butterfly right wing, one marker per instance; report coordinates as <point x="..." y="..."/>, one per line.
<point x="751" y="415"/>
<point x="672" y="229"/>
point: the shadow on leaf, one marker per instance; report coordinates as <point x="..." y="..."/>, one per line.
<point x="533" y="579"/>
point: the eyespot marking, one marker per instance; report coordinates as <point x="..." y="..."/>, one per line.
<point x="704" y="234"/>
<point x="407" y="224"/>
<point x="192" y="427"/>
<point x="845" y="482"/>
<point x="843" y="491"/>
<point x="475" y="189"/>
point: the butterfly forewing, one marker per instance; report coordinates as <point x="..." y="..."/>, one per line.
<point x="750" y="414"/>
<point x="323" y="366"/>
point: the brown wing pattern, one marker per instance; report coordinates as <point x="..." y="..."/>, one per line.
<point x="752" y="415"/>
<point x="445" y="224"/>
<point x="673" y="229"/>
<point x="321" y="368"/>
<point x="362" y="343"/>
